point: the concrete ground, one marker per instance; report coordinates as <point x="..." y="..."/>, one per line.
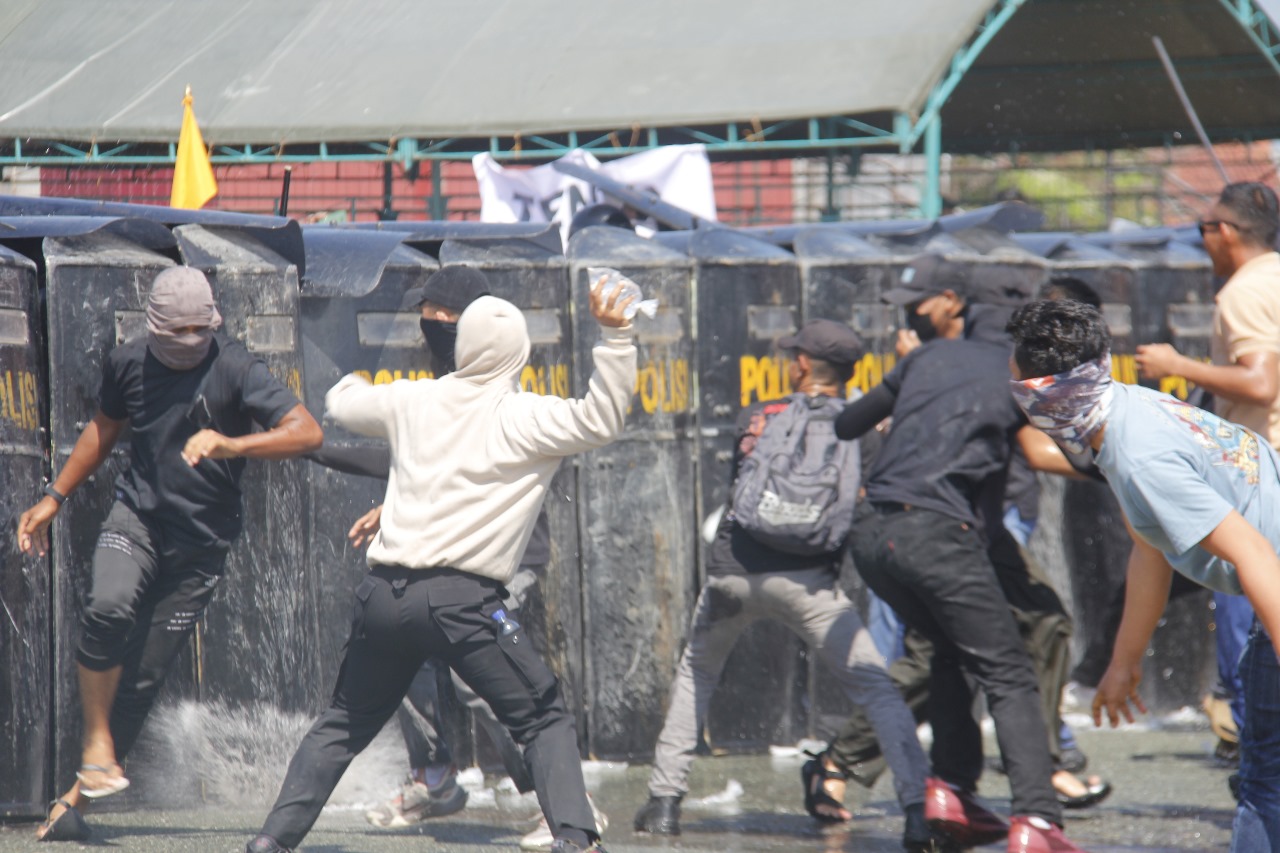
<point x="1170" y="795"/>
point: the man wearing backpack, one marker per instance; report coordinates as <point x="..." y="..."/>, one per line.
<point x="776" y="555"/>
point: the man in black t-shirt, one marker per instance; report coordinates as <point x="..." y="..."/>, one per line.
<point x="192" y="400"/>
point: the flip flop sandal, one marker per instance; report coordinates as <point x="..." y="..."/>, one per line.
<point x="1095" y="792"/>
<point x="814" y="774"/>
<point x="69" y="826"/>
<point x="115" y="784"/>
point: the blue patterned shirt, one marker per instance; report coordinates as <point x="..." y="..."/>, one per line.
<point x="1178" y="471"/>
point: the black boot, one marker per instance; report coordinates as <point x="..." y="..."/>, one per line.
<point x="265" y="844"/>
<point x="659" y="816"/>
<point x="916" y="835"/>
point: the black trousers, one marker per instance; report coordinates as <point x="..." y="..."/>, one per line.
<point x="403" y="617"/>
<point x="934" y="571"/>
<point x="148" y="592"/>
<point x="1046" y="630"/>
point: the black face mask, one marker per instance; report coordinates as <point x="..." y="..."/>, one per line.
<point x="920" y="324"/>
<point x="441" y="338"/>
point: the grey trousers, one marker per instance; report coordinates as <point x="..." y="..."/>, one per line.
<point x="418" y="714"/>
<point x="812" y="605"/>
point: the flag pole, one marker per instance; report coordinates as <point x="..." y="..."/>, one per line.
<point x="284" y="191"/>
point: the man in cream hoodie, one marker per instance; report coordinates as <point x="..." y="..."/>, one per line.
<point x="453" y="528"/>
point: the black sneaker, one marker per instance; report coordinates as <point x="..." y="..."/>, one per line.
<point x="265" y="844"/>
<point x="659" y="816"/>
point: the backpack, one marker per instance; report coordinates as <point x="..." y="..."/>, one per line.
<point x="795" y="491"/>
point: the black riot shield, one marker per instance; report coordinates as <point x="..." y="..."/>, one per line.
<point x="843" y="278"/>
<point x="748" y="296"/>
<point x="352" y="321"/>
<point x="637" y="503"/>
<point x="26" y="654"/>
<point x="257" y="634"/>
<point x="96" y="286"/>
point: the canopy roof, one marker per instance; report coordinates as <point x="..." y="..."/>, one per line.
<point x="432" y="79"/>
<point x="348" y="70"/>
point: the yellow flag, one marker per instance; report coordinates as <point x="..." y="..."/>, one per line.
<point x="193" y="181"/>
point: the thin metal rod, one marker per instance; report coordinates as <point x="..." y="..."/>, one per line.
<point x="1186" y="105"/>
<point x="284" y="191"/>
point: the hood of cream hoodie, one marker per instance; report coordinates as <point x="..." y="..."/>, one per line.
<point x="471" y="454"/>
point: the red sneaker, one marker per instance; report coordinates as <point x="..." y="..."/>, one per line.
<point x="959" y="816"/>
<point x="1037" y="835"/>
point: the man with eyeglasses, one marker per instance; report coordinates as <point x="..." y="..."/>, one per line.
<point x="1239" y="234"/>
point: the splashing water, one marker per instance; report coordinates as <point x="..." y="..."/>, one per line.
<point x="193" y="752"/>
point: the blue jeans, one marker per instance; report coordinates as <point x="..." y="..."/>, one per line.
<point x="1233" y="615"/>
<point x="1257" y="823"/>
<point x="885" y="627"/>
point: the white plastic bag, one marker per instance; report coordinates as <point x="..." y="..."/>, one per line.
<point x="615" y="280"/>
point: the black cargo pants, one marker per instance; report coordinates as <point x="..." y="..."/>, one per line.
<point x="148" y="592"/>
<point x="403" y="617"/>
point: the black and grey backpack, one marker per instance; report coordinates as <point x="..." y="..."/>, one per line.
<point x="796" y="490"/>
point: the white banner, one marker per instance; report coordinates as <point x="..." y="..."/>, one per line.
<point x="678" y="174"/>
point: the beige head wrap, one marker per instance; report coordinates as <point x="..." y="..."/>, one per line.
<point x="181" y="298"/>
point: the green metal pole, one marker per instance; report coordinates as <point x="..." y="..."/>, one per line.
<point x="437" y="203"/>
<point x="830" y="213"/>
<point x="931" y="196"/>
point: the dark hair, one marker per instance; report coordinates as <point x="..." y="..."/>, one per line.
<point x="829" y="372"/>
<point x="1051" y="337"/>
<point x="823" y="371"/>
<point x="1062" y="287"/>
<point x="1254" y="210"/>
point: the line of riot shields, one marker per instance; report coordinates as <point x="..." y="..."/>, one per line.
<point x="319" y="302"/>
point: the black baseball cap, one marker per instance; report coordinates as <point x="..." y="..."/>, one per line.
<point x="453" y="287"/>
<point x="828" y="340"/>
<point x="927" y="275"/>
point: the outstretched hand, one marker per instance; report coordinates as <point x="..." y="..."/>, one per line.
<point x="1156" y="361"/>
<point x="610" y="313"/>
<point x="1117" y="691"/>
<point x="366" y="527"/>
<point x="33" y="527"/>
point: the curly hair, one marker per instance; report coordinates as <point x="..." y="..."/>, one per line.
<point x="1053" y="336"/>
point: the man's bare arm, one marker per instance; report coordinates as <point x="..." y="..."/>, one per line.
<point x="1252" y="379"/>
<point x="91" y="450"/>
<point x="296" y="433"/>
<point x="1043" y="454"/>
<point x="1146" y="594"/>
<point x="1243" y="546"/>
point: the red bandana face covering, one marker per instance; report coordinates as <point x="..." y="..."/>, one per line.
<point x="1070" y="407"/>
<point x="181" y="298"/>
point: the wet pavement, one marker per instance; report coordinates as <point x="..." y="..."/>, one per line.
<point x="1170" y="794"/>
